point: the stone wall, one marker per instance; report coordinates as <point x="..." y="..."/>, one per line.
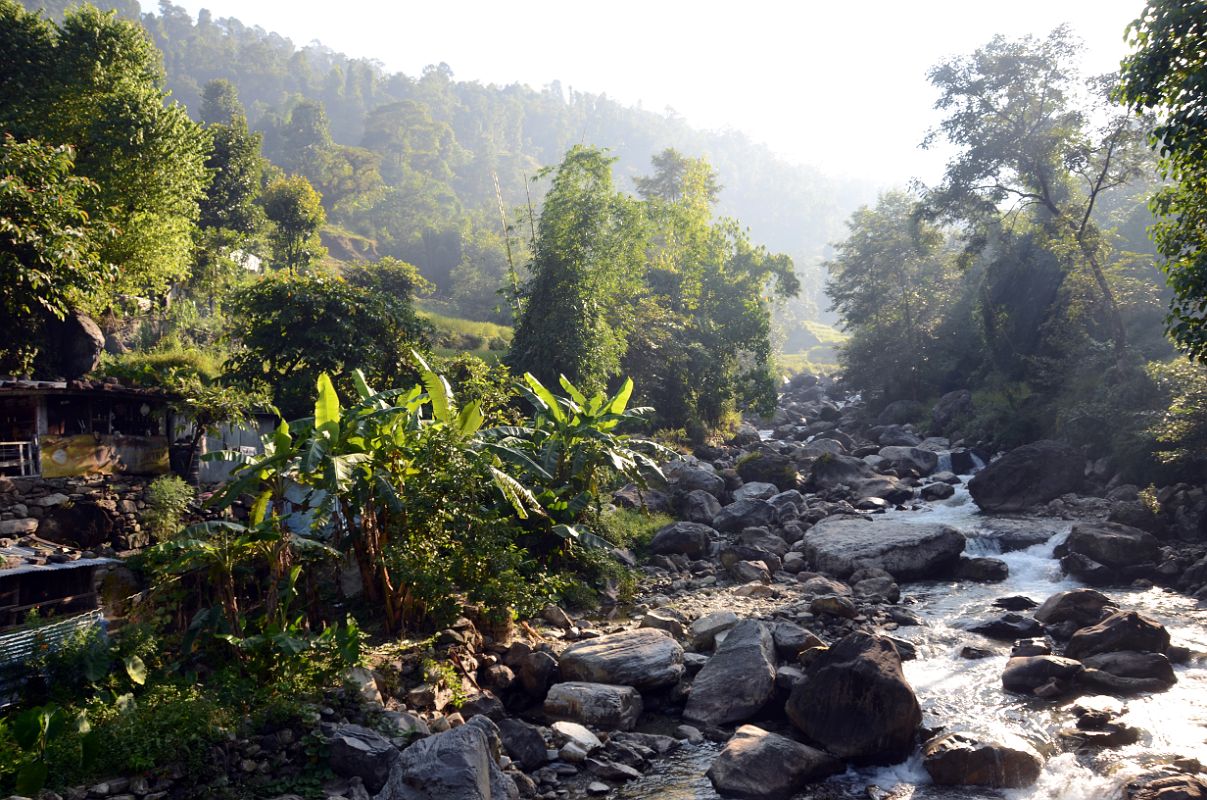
<point x="92" y="513"/>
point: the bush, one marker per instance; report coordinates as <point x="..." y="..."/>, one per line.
<point x="631" y="528"/>
<point x="168" y="498"/>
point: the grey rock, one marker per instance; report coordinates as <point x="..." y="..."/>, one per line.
<point x="699" y="506"/>
<point x="908" y="550"/>
<point x="643" y="658"/>
<point x="748" y="513"/>
<point x="1028" y="476"/>
<point x="703" y="631"/>
<point x="460" y="764"/>
<point x="600" y="705"/>
<point x="523" y="743"/>
<point x="1082" y="606"/>
<point x="856" y="702"/>
<point x="356" y="751"/>
<point x="691" y="539"/>
<point x="757" y="764"/>
<point x="960" y="759"/>
<point x="1123" y="630"/>
<point x="1025" y="674"/>
<point x="738" y="680"/>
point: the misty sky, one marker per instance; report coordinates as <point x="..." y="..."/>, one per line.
<point x="839" y="86"/>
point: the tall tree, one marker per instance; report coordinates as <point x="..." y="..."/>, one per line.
<point x="49" y="248"/>
<point x="1024" y="127"/>
<point x="1165" y="73"/>
<point x="235" y="164"/>
<point x="588" y="254"/>
<point x="296" y="212"/>
<point x="95" y="82"/>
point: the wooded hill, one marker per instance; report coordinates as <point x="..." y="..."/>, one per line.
<point x="406" y="165"/>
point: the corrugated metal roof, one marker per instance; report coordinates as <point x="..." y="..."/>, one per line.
<point x="37" y="555"/>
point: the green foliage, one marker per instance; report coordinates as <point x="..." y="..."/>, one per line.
<point x="296" y="212"/>
<point x="1164" y="74"/>
<point x="287" y="330"/>
<point x="91" y="82"/>
<point x="700" y="329"/>
<point x="168" y="499"/>
<point x="234" y="162"/>
<point x="49" y="246"/>
<point x="161" y="369"/>
<point x="891" y="280"/>
<point x="1181" y="431"/>
<point x="631" y="528"/>
<point x="586" y="259"/>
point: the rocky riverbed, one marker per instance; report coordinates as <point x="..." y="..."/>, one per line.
<point x="833" y="615"/>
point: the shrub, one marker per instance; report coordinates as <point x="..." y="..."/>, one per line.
<point x="631" y="528"/>
<point x="168" y="498"/>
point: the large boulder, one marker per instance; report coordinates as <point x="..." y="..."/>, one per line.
<point x="747" y="513"/>
<point x="691" y="539"/>
<point x="907" y="550"/>
<point x="1123" y="630"/>
<point x="460" y="764"/>
<point x="771" y="468"/>
<point x="1079" y="606"/>
<point x="644" y="658"/>
<point x="960" y="759"/>
<point x="855" y="701"/>
<point x="738" y="680"/>
<point x="757" y="764"/>
<point x="356" y="751"/>
<point x="703" y="631"/>
<point x="952" y="409"/>
<point x="599" y="705"/>
<point x="696" y="477"/>
<point x="699" y="506"/>
<point x="832" y="470"/>
<point x="1130" y="664"/>
<point x="910" y="459"/>
<point x="1169" y="787"/>
<point x="523" y="743"/>
<point x="1026" y="674"/>
<point x="76" y="343"/>
<point x="1112" y="544"/>
<point x="1028" y="476"/>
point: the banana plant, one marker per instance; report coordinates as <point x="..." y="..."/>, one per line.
<point x="575" y="444"/>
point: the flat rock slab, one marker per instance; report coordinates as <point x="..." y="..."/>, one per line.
<point x="908" y="550"/>
<point x="644" y="658"/>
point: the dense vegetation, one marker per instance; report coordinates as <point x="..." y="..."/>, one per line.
<point x="470" y="330"/>
<point x="1026" y="274"/>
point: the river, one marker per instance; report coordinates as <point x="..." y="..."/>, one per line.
<point x="961" y="694"/>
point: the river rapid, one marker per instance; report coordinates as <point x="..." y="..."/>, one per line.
<point x="957" y="693"/>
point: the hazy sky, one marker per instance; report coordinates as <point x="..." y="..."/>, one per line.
<point x="841" y="86"/>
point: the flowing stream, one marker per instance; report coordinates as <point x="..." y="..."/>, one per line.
<point x="962" y="694"/>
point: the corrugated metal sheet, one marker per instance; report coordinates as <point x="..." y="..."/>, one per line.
<point x="17" y="649"/>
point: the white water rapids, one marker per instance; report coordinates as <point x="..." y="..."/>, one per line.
<point x="962" y="694"/>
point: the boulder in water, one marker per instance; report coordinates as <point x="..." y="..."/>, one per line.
<point x="1112" y="544"/>
<point x="910" y="459"/>
<point x="856" y="703"/>
<point x="907" y="550"/>
<point x="1131" y="664"/>
<point x="1123" y="630"/>
<point x="1025" y="674"/>
<point x="1170" y="787"/>
<point x="1028" y="476"/>
<point x="1009" y="627"/>
<point x="1082" y="606"/>
<point x="961" y="759"/>
<point x="757" y="764"/>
